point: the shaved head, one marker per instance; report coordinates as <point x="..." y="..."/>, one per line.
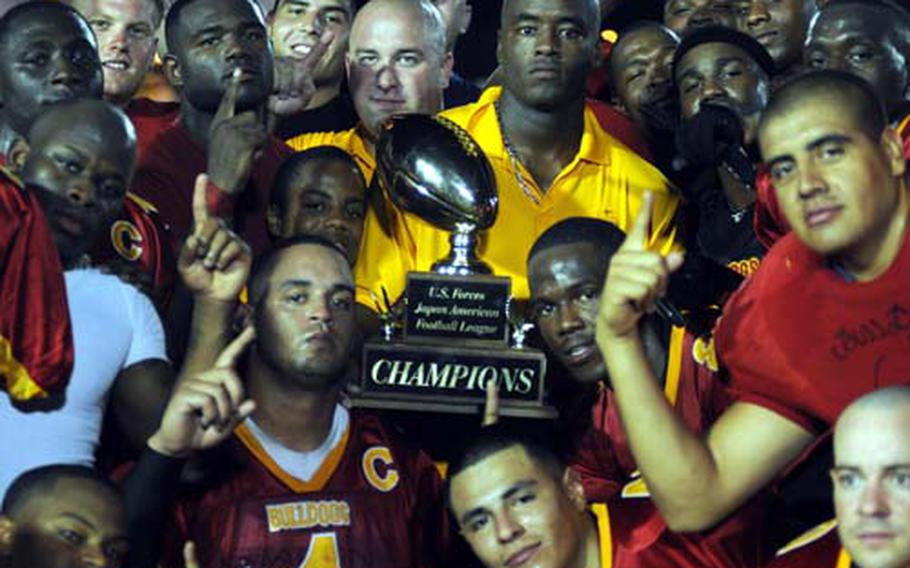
<point x="592" y="10"/>
<point x="434" y="27"/>
<point x="849" y="93"/>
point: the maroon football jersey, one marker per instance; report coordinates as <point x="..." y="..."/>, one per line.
<point x="373" y="503"/>
<point x="166" y="177"/>
<point x="607" y="467"/>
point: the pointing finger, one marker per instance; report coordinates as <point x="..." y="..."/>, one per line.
<point x="637" y="236"/>
<point x="230" y="354"/>
<point x="229" y="99"/>
<point x="200" y="207"/>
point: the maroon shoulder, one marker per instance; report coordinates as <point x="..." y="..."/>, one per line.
<point x="619" y="126"/>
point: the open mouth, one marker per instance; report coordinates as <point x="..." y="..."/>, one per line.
<point x="302" y="49"/>
<point x="579" y="352"/>
<point x="116" y="65"/>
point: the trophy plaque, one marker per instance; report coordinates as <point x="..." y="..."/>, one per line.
<point x="454" y="331"/>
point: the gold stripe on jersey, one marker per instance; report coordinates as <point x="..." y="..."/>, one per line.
<point x="604" y="534"/>
<point x="808" y="537"/>
<point x="320" y="478"/>
<point x="843" y="561"/>
<point x="674" y="363"/>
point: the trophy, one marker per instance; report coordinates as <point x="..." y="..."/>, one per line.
<point x="459" y="331"/>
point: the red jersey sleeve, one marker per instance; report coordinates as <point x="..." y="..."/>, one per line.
<point x="36" y="345"/>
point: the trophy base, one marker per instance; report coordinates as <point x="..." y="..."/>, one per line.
<point x="445" y="379"/>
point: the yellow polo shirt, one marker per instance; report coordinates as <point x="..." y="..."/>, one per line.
<point x="605" y="180"/>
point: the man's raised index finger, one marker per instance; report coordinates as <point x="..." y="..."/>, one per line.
<point x="232" y="352"/>
<point x="200" y="206"/>
<point x="229" y="99"/>
<point x="637" y="235"/>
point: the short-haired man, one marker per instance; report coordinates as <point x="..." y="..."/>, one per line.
<point x="457" y="17"/>
<point x="550" y="155"/>
<point x="296" y="28"/>
<point x="221" y="61"/>
<point x="684" y="16"/>
<point x="126" y="34"/>
<point x="301" y="477"/>
<point x="320" y="192"/>
<point x="72" y="509"/>
<point x="871" y="490"/>
<point x="817" y="325"/>
<point x="640" y="75"/>
<point x="565" y="270"/>
<point x="870" y="40"/>
<point x="780" y="26"/>
<point x="723" y="78"/>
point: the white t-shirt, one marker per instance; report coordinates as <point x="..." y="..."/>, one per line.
<point x="114" y="326"/>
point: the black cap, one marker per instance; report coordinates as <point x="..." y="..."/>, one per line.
<point x="721" y="34"/>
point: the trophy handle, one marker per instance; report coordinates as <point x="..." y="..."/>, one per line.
<point x="462" y="259"/>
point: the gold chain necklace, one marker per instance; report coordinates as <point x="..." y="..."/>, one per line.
<point x="513" y="156"/>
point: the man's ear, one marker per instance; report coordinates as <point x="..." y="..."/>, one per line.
<point x="893" y="147"/>
<point x="571" y="483"/>
<point x="172" y="71"/>
<point x="7" y="529"/>
<point x="17" y="154"/>
<point x="448" y="65"/>
<point x="273" y="221"/>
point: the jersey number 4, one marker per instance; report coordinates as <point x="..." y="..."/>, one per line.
<point x="322" y="553"/>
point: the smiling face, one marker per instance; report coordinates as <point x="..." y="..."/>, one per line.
<point x="513" y="512"/>
<point x="126" y="42"/>
<point x="872" y="485"/>
<point x="779" y="25"/>
<point x="79" y="166"/>
<point x="682" y="16"/>
<point x="546" y="49"/>
<point x="325" y="198"/>
<point x="213" y="38"/>
<point x="837" y="185"/>
<point x="862" y="41"/>
<point x="81" y="516"/>
<point x="396" y="65"/>
<point x="723" y="74"/>
<point x="565" y="282"/>
<point x="47" y="57"/>
<point x="305" y="319"/>
<point x="297" y="25"/>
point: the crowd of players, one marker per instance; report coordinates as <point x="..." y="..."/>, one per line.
<point x="192" y="252"/>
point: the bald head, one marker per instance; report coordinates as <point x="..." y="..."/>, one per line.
<point x="591" y="10"/>
<point x="872" y="478"/>
<point x="108" y="123"/>
<point x="422" y="12"/>
<point x="849" y="94"/>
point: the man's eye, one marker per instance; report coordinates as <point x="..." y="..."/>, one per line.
<point x="525" y="498"/>
<point x="543" y="311"/>
<point x="36" y="58"/>
<point x="846" y="480"/>
<point x="367" y="60"/>
<point x="70" y="166"/>
<point x="634" y="75"/>
<point x="408" y="60"/>
<point x="832" y="151"/>
<point x="680" y="11"/>
<point x="587" y="296"/>
<point x="526" y="30"/>
<point x="780" y="171"/>
<point x="861" y="55"/>
<point x="100" y="25"/>
<point x="571" y="33"/>
<point x="336" y="18"/>
<point x="139" y="33"/>
<point x="254" y="35"/>
<point x="71" y="536"/>
<point x="315" y="207"/>
<point x="296" y="298"/>
<point x="815" y="61"/>
<point x="689" y="85"/>
<point x="209" y="41"/>
<point x="113" y="190"/>
<point x="355" y="212"/>
<point x="343" y="302"/>
<point x="477" y="524"/>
